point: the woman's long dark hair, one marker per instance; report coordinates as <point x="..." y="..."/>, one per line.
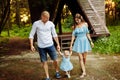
<point x="77" y="15"/>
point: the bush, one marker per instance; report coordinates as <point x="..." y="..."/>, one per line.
<point x="23" y="31"/>
<point x="67" y="23"/>
<point x="109" y="45"/>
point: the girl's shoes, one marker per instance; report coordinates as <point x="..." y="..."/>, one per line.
<point x="83" y="75"/>
<point x="68" y="75"/>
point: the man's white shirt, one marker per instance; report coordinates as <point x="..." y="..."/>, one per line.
<point x="45" y="33"/>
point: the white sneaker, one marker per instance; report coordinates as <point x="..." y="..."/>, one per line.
<point x="68" y="75"/>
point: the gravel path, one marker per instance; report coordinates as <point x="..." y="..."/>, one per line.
<point x="99" y="67"/>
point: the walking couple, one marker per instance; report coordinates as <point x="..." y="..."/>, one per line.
<point x="45" y="30"/>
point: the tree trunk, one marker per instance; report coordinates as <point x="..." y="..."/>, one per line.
<point x="18" y="13"/>
<point x="55" y="8"/>
<point x="36" y="7"/>
<point x="58" y="15"/>
<point x="5" y="13"/>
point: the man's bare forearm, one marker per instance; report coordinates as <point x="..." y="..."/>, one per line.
<point x="56" y="40"/>
<point x="31" y="42"/>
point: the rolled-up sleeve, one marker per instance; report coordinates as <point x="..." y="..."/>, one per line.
<point x="54" y="34"/>
<point x="33" y="30"/>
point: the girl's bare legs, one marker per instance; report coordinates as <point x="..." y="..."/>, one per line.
<point x="69" y="72"/>
<point x="82" y="65"/>
<point x="84" y="57"/>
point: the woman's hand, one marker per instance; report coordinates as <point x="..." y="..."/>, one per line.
<point x="92" y="44"/>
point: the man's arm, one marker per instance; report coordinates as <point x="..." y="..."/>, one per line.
<point x="57" y="42"/>
<point x="55" y="37"/>
<point x="31" y="37"/>
<point x="31" y="45"/>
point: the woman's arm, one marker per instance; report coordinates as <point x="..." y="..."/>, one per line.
<point x="70" y="53"/>
<point x="91" y="42"/>
<point x="88" y="35"/>
<point x="72" y="40"/>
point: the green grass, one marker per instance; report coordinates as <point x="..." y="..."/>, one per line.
<point x="109" y="45"/>
<point x="103" y="45"/>
<point x="22" y="32"/>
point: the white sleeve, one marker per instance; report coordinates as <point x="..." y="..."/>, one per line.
<point x="33" y="31"/>
<point x="54" y="34"/>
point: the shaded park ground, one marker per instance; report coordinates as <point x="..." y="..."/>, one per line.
<point x="27" y="66"/>
<point x="19" y="63"/>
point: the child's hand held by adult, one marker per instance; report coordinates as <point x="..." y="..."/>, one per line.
<point x="60" y="53"/>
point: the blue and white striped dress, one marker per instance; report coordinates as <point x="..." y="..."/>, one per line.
<point x="81" y="43"/>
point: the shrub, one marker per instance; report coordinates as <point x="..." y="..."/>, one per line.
<point x="109" y="45"/>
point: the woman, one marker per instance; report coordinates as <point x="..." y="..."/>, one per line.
<point x="82" y="41"/>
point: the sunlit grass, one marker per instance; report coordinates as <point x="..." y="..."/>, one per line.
<point x="103" y="45"/>
<point x="111" y="44"/>
<point x="22" y="32"/>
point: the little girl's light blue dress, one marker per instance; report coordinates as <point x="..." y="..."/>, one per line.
<point x="66" y="65"/>
<point x="81" y="43"/>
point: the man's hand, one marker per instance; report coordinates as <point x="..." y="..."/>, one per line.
<point x="33" y="48"/>
<point x="58" y="48"/>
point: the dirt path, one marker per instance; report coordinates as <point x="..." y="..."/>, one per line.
<point x="26" y="66"/>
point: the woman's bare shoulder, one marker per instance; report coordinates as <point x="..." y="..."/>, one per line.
<point x="86" y="24"/>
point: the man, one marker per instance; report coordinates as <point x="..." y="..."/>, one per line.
<point x="45" y="30"/>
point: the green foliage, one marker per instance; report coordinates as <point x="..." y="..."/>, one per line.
<point x="118" y="3"/>
<point x="67" y="23"/>
<point x="18" y="32"/>
<point x="109" y="45"/>
<point x="111" y="21"/>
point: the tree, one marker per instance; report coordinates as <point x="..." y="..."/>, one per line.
<point x="117" y="8"/>
<point x="36" y="7"/>
<point x="55" y="8"/>
<point x="4" y="13"/>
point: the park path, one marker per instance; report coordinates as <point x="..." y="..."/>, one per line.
<point x="99" y="67"/>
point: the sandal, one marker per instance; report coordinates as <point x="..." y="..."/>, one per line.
<point x="83" y="75"/>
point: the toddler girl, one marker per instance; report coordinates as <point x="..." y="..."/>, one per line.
<point x="66" y="65"/>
